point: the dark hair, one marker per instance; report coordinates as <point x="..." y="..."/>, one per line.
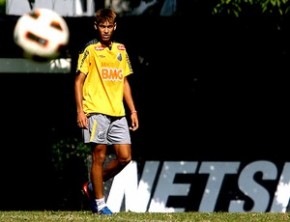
<point x="106" y="14"/>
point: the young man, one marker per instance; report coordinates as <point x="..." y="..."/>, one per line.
<point x="101" y="87"/>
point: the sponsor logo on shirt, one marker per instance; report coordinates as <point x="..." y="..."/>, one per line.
<point x="121" y="47"/>
<point x="111" y="74"/>
<point x="99" y="48"/>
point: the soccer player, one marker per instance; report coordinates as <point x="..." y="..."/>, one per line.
<point x="102" y="90"/>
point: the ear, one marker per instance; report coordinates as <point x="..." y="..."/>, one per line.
<point x="95" y="26"/>
<point x="115" y="26"/>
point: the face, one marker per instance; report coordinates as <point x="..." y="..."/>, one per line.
<point x="106" y="30"/>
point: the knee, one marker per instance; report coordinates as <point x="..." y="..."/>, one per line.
<point x="125" y="161"/>
<point x="98" y="158"/>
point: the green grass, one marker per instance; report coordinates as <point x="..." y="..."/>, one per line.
<point x="86" y="216"/>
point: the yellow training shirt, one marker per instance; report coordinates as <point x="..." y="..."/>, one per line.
<point x="105" y="69"/>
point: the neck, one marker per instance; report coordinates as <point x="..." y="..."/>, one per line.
<point x="107" y="44"/>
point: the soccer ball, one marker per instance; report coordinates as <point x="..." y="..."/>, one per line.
<point x="42" y="34"/>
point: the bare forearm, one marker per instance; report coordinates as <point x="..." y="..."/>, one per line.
<point x="78" y="93"/>
<point x="128" y="97"/>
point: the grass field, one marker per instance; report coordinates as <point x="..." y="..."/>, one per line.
<point x="86" y="216"/>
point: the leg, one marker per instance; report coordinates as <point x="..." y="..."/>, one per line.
<point x="123" y="157"/>
<point x="98" y="159"/>
<point x="98" y="203"/>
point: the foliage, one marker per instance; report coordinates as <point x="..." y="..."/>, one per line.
<point x="2" y="7"/>
<point x="68" y="150"/>
<point x="81" y="216"/>
<point x="239" y="7"/>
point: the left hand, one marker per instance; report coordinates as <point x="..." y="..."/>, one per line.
<point x="134" y="122"/>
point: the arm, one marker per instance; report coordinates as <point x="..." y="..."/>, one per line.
<point x="78" y="89"/>
<point x="130" y="103"/>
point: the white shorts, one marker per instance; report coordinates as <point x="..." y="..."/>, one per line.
<point x="103" y="129"/>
